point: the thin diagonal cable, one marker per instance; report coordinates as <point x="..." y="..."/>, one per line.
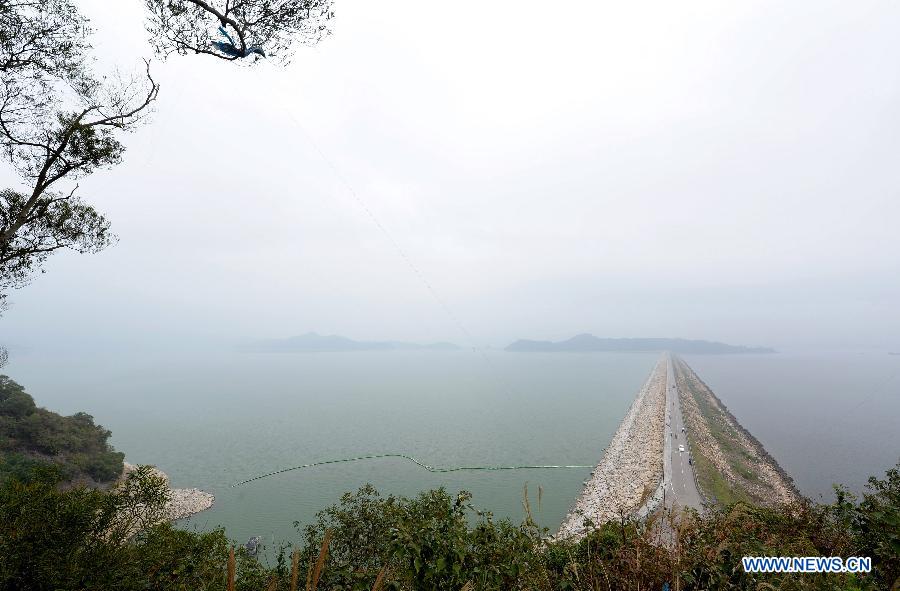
<point x="396" y="245"/>
<point x="872" y="394"/>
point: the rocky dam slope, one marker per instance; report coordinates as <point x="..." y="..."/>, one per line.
<point x="631" y="468"/>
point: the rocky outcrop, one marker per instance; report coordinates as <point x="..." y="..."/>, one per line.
<point x="631" y="467"/>
<point x="183" y="502"/>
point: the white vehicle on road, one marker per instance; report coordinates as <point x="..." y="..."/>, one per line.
<point x="680" y="448"/>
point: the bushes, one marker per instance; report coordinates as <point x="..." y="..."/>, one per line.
<point x="876" y="523"/>
<point x="429" y="542"/>
<point x="77" y="538"/>
<point x="86" y="539"/>
<point x="17" y="466"/>
<point x="14" y="402"/>
<point x="165" y="558"/>
<point x="29" y="435"/>
<point x="80" y="538"/>
<point x="421" y="543"/>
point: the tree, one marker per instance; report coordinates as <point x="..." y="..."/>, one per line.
<point x="78" y="447"/>
<point x="4" y="354"/>
<point x="236" y="29"/>
<point x="14" y="401"/>
<point x="53" y="537"/>
<point x="58" y="140"/>
<point x="58" y="122"/>
<point x="39" y="43"/>
<point x="42" y="41"/>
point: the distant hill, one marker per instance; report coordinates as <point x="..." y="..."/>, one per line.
<point x="313" y="342"/>
<point x="588" y="342"/>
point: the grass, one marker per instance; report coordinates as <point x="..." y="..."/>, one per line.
<point x="713" y="483"/>
<point x="745" y="472"/>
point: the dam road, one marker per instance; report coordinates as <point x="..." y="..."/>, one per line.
<point x="679" y="482"/>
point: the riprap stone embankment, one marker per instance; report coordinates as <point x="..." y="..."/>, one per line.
<point x="183" y="502"/>
<point x="631" y="467"/>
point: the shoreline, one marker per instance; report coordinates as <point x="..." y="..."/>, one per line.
<point x="630" y="470"/>
<point x="183" y="502"/>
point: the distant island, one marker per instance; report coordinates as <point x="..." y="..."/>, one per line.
<point x="312" y="342"/>
<point x="588" y="342"/>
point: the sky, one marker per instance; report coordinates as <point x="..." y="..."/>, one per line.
<point x="724" y="171"/>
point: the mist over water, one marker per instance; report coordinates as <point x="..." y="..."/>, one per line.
<point x="210" y="421"/>
<point x="490" y="174"/>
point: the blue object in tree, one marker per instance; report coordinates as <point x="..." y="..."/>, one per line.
<point x="231" y="49"/>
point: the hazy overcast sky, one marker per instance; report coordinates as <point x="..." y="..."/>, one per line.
<point x="719" y="170"/>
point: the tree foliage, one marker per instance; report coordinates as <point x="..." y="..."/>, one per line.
<point x="29" y="436"/>
<point x="426" y="542"/>
<point x="58" y="123"/>
<point x="75" y="538"/>
<point x="51" y="143"/>
<point x="78" y="538"/>
<point x="42" y="42"/>
<point x="273" y="26"/>
<point x="83" y="539"/>
<point x="55" y="222"/>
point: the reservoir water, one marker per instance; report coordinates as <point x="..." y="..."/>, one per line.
<point x="212" y="420"/>
<point x="826" y="418"/>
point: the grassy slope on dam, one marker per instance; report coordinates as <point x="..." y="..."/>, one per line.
<point x="731" y="465"/>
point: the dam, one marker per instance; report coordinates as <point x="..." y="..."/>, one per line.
<point x="677" y="447"/>
<point x="631" y="468"/>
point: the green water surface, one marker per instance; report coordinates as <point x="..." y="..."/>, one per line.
<point x="212" y="420"/>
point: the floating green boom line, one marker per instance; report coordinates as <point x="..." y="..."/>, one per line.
<point x="405" y="457"/>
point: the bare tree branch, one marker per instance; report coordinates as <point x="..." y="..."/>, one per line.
<point x="237" y="30"/>
<point x="57" y="123"/>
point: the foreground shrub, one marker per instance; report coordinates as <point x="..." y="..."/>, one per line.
<point x="84" y="539"/>
<point x="420" y="543"/>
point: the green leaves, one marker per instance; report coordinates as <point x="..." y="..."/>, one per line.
<point x="432" y="541"/>
<point x="75" y="444"/>
<point x="877" y="521"/>
<point x="53" y="222"/>
<point x="59" y="121"/>
<point x="14" y="401"/>
<point x="49" y="540"/>
<point x="87" y="147"/>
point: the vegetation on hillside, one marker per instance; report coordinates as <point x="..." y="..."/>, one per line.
<point x="32" y="437"/>
<point x="72" y="539"/>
